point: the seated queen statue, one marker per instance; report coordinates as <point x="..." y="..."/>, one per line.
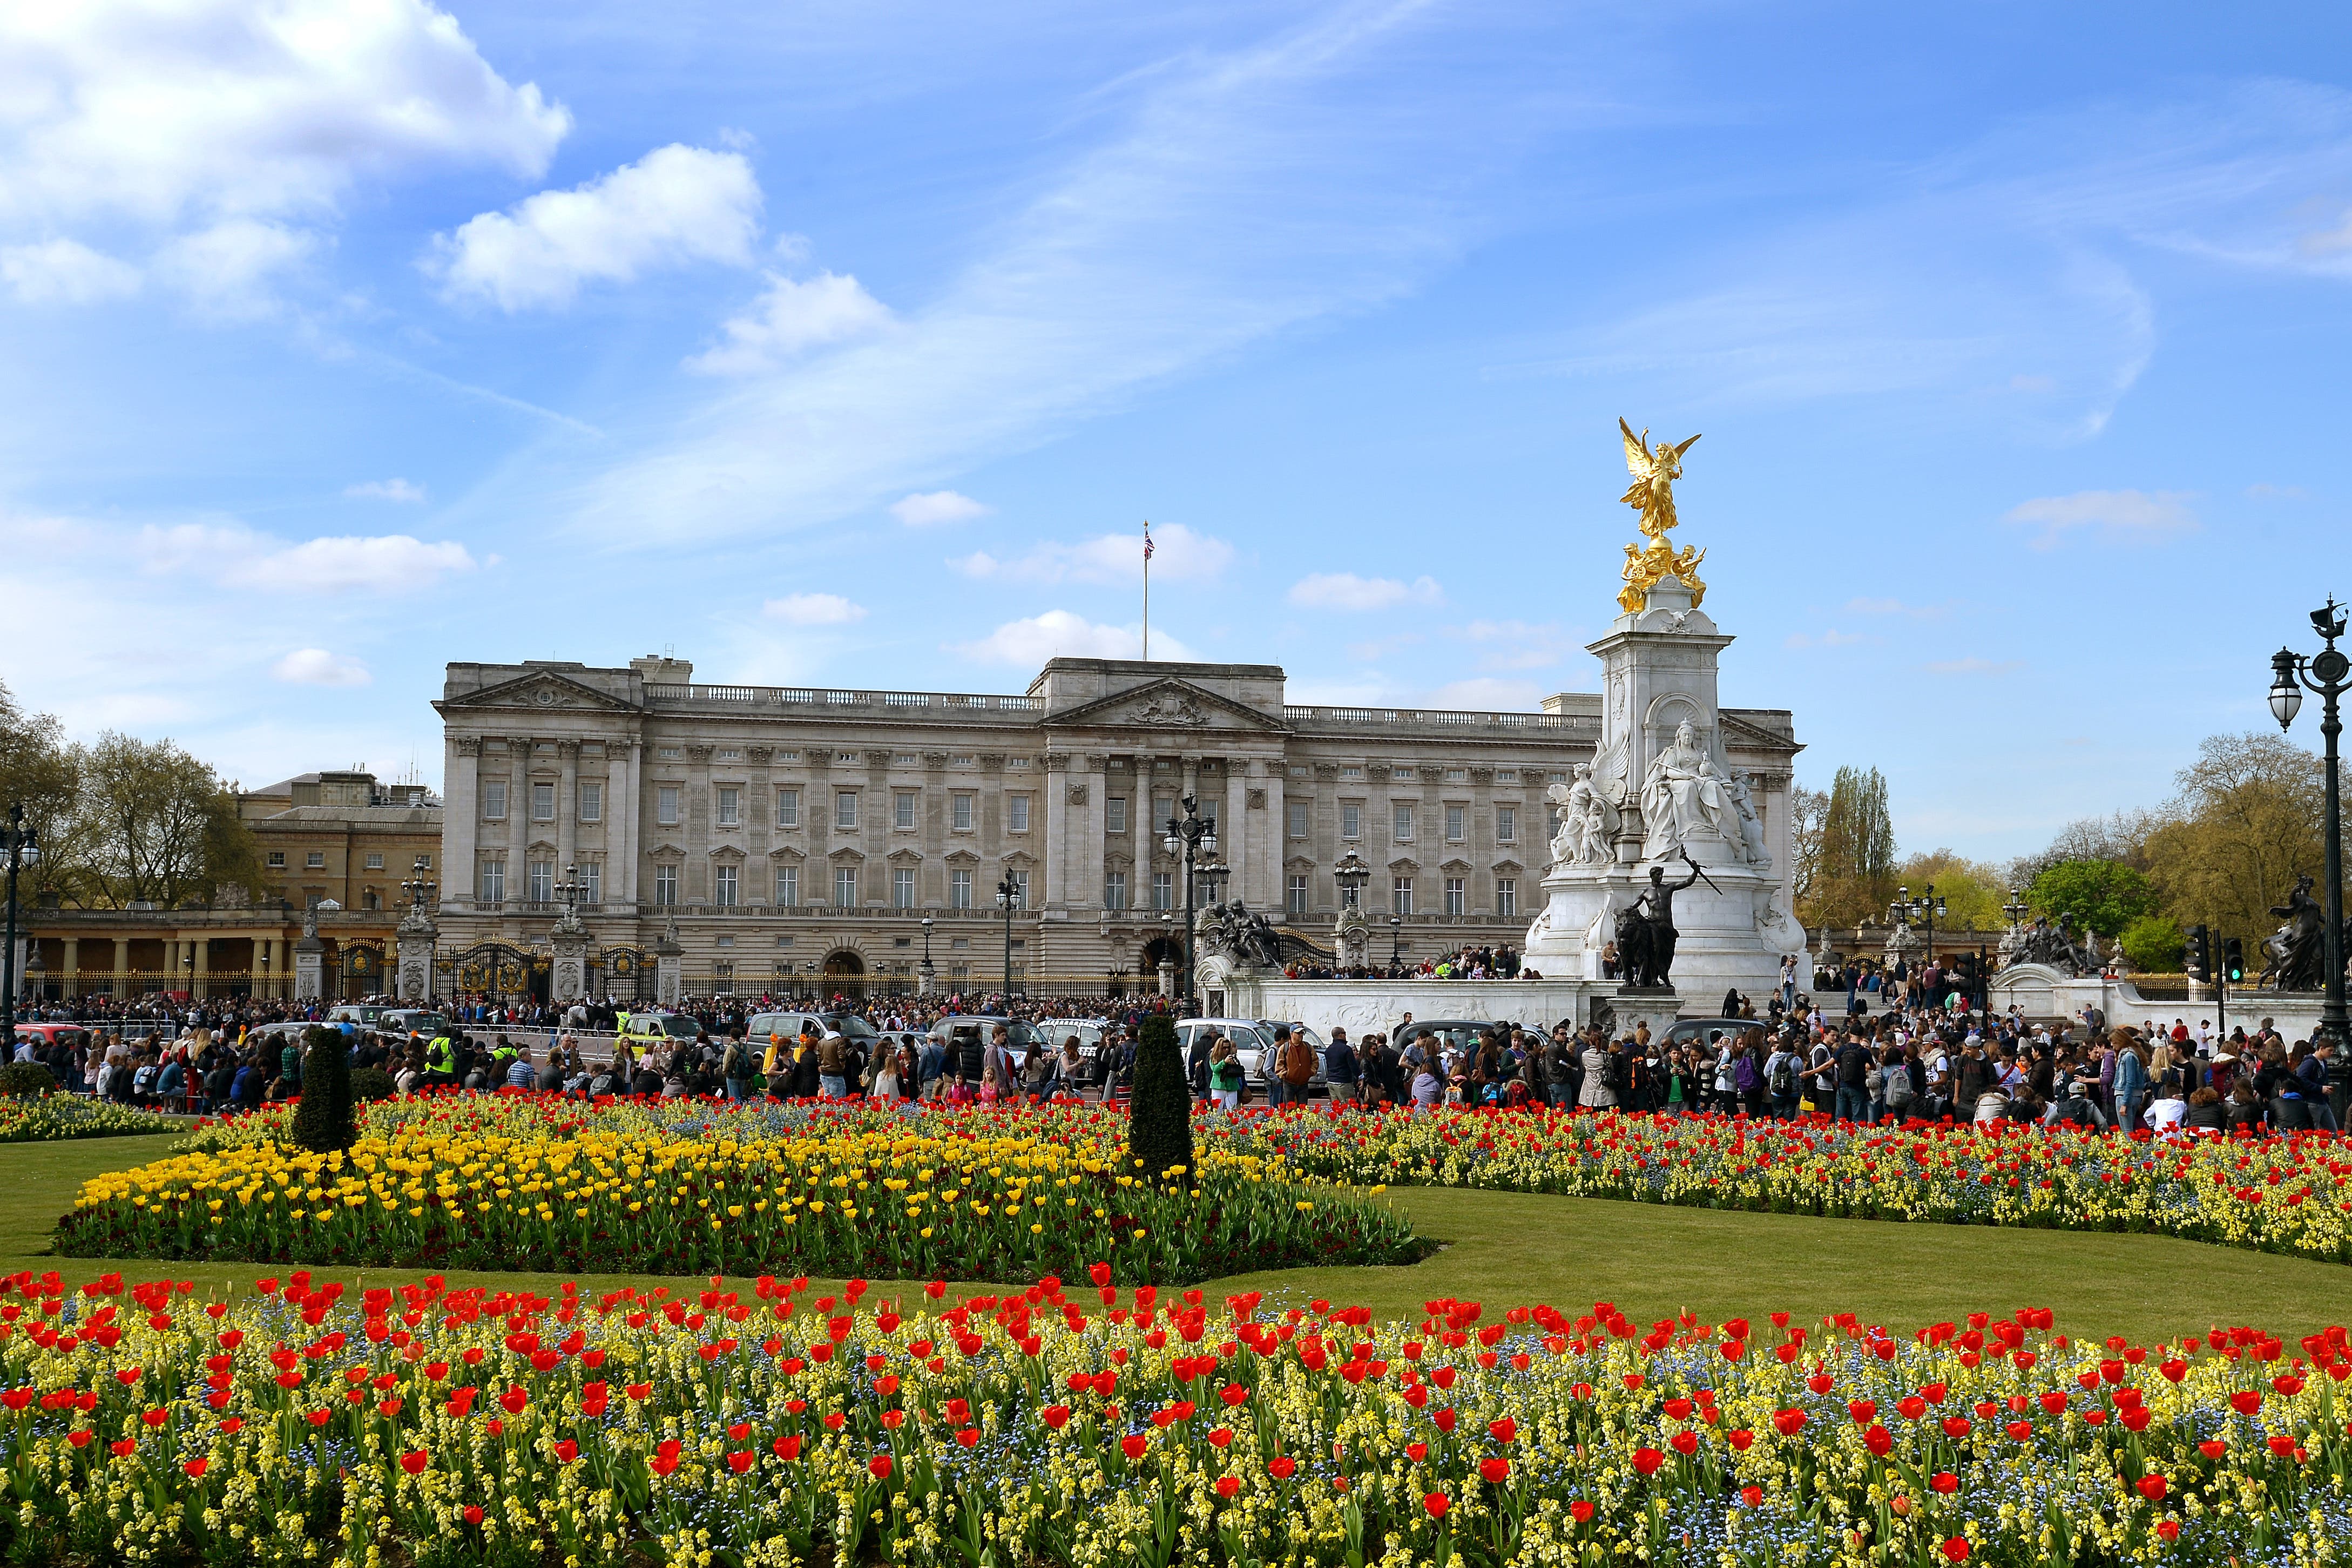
<point x="1684" y="796"/>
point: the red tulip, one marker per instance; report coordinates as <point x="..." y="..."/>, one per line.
<point x="1281" y="1467"/>
<point x="1646" y="1462"/>
<point x="1134" y="1444"/>
<point x="413" y="1461"/>
<point x="1955" y="1550"/>
<point x="1580" y="1510"/>
<point x="880" y="1466"/>
<point x="196" y="1468"/>
<point x="2152" y="1488"/>
<point x="1226" y="1485"/>
<point x="1493" y="1472"/>
<point x="1436" y="1503"/>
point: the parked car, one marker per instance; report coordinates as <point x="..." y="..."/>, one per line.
<point x="647" y="1029"/>
<point x="44" y="1035"/>
<point x="786" y="1026"/>
<point x="1453" y="1034"/>
<point x="357" y="1016"/>
<point x="1712" y="1033"/>
<point x="423" y="1021"/>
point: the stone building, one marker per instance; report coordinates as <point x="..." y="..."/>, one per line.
<point x="791" y="835"/>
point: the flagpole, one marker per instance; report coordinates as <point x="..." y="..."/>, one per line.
<point x="1147" y="592"/>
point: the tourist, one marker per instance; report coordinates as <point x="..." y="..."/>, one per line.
<point x="2208" y="1112"/>
<point x="1226" y="1079"/>
<point x="1602" y="1072"/>
<point x="2131" y="1078"/>
<point x="2170" y="1111"/>
<point x="1340" y="1069"/>
<point x="2313" y="1071"/>
<point x="1428" y="1088"/>
<point x="519" y="1072"/>
<point x="1781" y="1078"/>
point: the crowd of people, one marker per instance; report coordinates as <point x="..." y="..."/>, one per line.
<point x="1483" y="961"/>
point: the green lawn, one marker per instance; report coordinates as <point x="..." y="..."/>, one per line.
<point x="1506" y="1250"/>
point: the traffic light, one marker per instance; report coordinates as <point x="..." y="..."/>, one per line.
<point x="2233" y="960"/>
<point x="2199" y="958"/>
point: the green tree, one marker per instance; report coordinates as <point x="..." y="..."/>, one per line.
<point x="2250" y="816"/>
<point x="1972" y="891"/>
<point x="1159" y="1107"/>
<point x="39" y="771"/>
<point x="161" y="826"/>
<point x="322" y="1117"/>
<point x="1807" y="808"/>
<point x="1855" y="878"/>
<point x="2104" y="896"/>
<point x="2155" y="945"/>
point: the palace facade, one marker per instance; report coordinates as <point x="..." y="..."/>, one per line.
<point x="788" y="836"/>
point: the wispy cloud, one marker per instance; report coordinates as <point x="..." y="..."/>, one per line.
<point x="317" y="666"/>
<point x="238" y="556"/>
<point x="2138" y="516"/>
<point x="935" y="508"/>
<point x="1029" y="643"/>
<point x="790" y="319"/>
<point x="1179" y="556"/>
<point x="1346" y="591"/>
<point x="1829" y="637"/>
<point x="1180" y="240"/>
<point x="386" y="490"/>
<point x="813" y="610"/>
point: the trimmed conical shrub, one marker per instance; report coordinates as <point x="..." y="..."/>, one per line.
<point x="1159" y="1111"/>
<point x="322" y="1118"/>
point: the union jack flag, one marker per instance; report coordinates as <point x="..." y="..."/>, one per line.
<point x="1147" y="541"/>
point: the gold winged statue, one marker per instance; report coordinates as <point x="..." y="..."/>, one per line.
<point x="1651" y="494"/>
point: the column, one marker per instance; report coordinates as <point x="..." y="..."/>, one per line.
<point x="1055" y="833"/>
<point x="122" y="969"/>
<point x="567" y="806"/>
<point x="620" y="823"/>
<point x="518" y="756"/>
<point x="72" y="966"/>
<point x="635" y="790"/>
<point x="199" y="983"/>
<point x="1235" y="839"/>
<point x="274" y="945"/>
<point x="1274" y="847"/>
<point x="1094" y="773"/>
<point x="461" y="813"/>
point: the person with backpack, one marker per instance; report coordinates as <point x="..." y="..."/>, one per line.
<point x="1901" y="1087"/>
<point x="1781" y="1079"/>
<point x="735" y="1067"/>
<point x="1562" y="1072"/>
<point x="1748" y="1074"/>
<point x="1603" y="1071"/>
<point x="1293" y="1068"/>
<point x="1340" y="1069"/>
<point x="1852" y="1078"/>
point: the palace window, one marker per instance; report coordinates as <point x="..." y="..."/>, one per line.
<point x="845" y="887"/>
<point x="494" y="798"/>
<point x="316" y="859"/>
<point x="592" y="879"/>
<point x="666" y="886"/>
<point x="494" y="881"/>
<point x="902" y="887"/>
<point x="1114" y="890"/>
<point x="1115" y="814"/>
<point x="666" y="805"/>
<point x="960" y="889"/>
<point x="1016" y="814"/>
<point x="1454" y="899"/>
<point x="543" y="802"/>
<point x="1506" y="823"/>
<point x="277" y="859"/>
<point x="731" y="807"/>
<point x="1297" y="903"/>
<point x="1298" y="810"/>
<point x="845" y="808"/>
<point x="902" y="809"/>
<point x="1163" y="889"/>
<point x="1352" y="820"/>
<point x="1456" y="819"/>
<point x="724" y="896"/>
<point x="1402" y="820"/>
<point x="788" y="808"/>
<point x="959" y="812"/>
<point x="788" y="887"/>
<point x="1400" y="896"/>
<point x="375" y="860"/>
<point x="542" y="881"/>
<point x="591" y="803"/>
<point x="1507" y="896"/>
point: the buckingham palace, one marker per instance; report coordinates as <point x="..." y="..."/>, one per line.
<point x="780" y="836"/>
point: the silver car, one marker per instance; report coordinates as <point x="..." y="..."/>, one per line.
<point x="1252" y="1041"/>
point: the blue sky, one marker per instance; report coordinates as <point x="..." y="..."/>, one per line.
<point x="851" y="344"/>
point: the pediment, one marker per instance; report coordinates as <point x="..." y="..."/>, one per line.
<point x="1168" y="704"/>
<point x="904" y="858"/>
<point x="541" y="691"/>
<point x="1750" y="736"/>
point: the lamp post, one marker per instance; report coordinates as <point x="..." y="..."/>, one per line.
<point x="2325" y="673"/>
<point x="928" y="974"/>
<point x="1396" y="938"/>
<point x="1008" y="898"/>
<point x="569" y="892"/>
<point x="1189" y="834"/>
<point x="420" y="888"/>
<point x="21" y="844"/>
<point x="1352" y="874"/>
<point x="1926" y="907"/>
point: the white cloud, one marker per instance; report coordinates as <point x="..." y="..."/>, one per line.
<point x="675" y="205"/>
<point x="1373" y="649"/>
<point x="238" y="556"/>
<point x="930" y="508"/>
<point x="1519" y="645"/>
<point x="2142" y="515"/>
<point x="223" y="107"/>
<point x="1179" y="555"/>
<point x="1487" y="693"/>
<point x="813" y="610"/>
<point x="229" y="270"/>
<point x="65" y="272"/>
<point x="1346" y="591"/>
<point x="1061" y="633"/>
<point x="317" y="666"/>
<point x="386" y="490"/>
<point x="830" y="308"/>
<point x="1830" y="637"/>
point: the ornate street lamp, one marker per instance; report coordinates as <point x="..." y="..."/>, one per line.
<point x="1351" y="873"/>
<point x="1926" y="907"/>
<point x="929" y="973"/>
<point x="1008" y="898"/>
<point x="1396" y="938"/>
<point x="20" y="843"/>
<point x="2324" y="673"/>
<point x="1192" y="836"/>
<point x="569" y="892"/>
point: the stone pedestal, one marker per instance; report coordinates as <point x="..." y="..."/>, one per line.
<point x="567" y="981"/>
<point x="1167" y="977"/>
<point x="309" y="970"/>
<point x="413" y="974"/>
<point x="1631" y="1006"/>
<point x="669" y="968"/>
<point x="1351" y="940"/>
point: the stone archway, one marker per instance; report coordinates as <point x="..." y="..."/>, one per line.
<point x="842" y="973"/>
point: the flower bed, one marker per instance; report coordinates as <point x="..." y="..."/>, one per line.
<point x="57" y="1116"/>
<point x="1062" y="1428"/>
<point x="2290" y="1194"/>
<point x="976" y="1198"/>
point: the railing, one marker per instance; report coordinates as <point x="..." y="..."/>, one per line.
<point x="1432" y="718"/>
<point x="810" y="696"/>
